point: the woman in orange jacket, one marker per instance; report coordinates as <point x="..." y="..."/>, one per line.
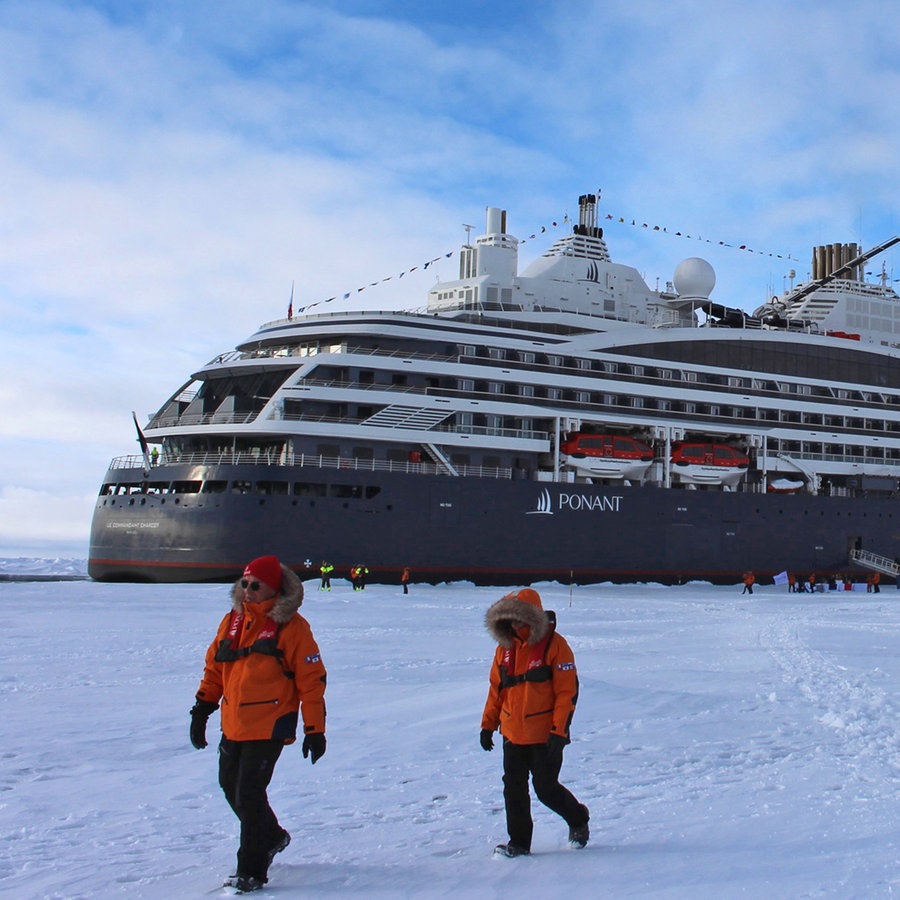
<point x="265" y="667"/>
<point x="531" y="699"/>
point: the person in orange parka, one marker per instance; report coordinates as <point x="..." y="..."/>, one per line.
<point x="531" y="699"/>
<point x="265" y="667"/>
<point x="749" y="581"/>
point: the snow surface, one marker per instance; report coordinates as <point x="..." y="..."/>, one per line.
<point x="727" y="745"/>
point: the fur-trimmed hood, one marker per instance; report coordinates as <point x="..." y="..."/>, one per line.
<point x="286" y="603"/>
<point x="523" y="605"/>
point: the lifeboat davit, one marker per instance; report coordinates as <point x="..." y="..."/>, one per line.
<point x="709" y="464"/>
<point x="606" y="456"/>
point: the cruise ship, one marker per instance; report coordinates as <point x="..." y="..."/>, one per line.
<point x="564" y="422"/>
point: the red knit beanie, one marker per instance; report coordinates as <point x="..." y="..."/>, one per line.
<point x="267" y="569"/>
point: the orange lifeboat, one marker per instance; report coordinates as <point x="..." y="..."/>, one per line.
<point x="606" y="455"/>
<point x="708" y="464"/>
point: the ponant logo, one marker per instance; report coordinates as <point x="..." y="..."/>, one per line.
<point x="575" y="503"/>
<point x="544" y="505"/>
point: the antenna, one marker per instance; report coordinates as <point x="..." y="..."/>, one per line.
<point x="468" y="234"/>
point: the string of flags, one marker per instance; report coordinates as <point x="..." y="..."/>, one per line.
<point x="621" y="220"/>
<point x="664" y="230"/>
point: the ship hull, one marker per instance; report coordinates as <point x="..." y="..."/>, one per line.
<point x="482" y="530"/>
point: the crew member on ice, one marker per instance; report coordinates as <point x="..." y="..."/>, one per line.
<point x="325" y="571"/>
<point x="531" y="699"/>
<point x="265" y="668"/>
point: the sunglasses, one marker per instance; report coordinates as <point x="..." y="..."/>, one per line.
<point x="250" y="585"/>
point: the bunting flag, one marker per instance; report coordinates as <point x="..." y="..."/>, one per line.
<point x="780" y="578"/>
<point x="621" y="220"/>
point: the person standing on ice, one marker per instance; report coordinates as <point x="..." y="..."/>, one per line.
<point x="531" y="699"/>
<point x="265" y="667"/>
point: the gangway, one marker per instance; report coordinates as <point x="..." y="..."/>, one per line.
<point x="869" y="560"/>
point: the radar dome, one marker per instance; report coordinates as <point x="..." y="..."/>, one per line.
<point x="694" y="277"/>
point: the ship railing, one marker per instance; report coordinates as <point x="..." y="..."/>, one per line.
<point x="484" y="430"/>
<point x="193" y="419"/>
<point x="308" y="460"/>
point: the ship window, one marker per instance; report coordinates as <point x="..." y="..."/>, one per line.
<point x="345" y="491"/>
<point x="309" y="489"/>
<point x="108" y="490"/>
<point x="214" y="487"/>
<point x="372" y="490"/>
<point x="328" y="450"/>
<point x="186" y="487"/>
<point x="241" y="487"/>
<point x="160" y="487"/>
<point x="271" y="487"/>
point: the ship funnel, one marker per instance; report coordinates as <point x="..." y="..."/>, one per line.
<point x="496" y="221"/>
<point x="587" y="216"/>
<point x="829" y="258"/>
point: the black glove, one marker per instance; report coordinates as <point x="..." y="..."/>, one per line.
<point x="200" y="713"/>
<point x="487" y="739"/>
<point x="314" y="746"/>
<point x="555" y="745"/>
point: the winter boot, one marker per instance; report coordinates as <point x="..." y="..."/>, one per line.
<point x="510" y="850"/>
<point x="278" y="846"/>
<point x="247" y="883"/>
<point x="579" y="835"/>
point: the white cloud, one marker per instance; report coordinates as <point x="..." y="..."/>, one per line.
<point x="169" y="170"/>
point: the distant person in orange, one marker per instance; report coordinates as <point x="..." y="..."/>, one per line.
<point x="404" y="579"/>
<point x="265" y="668"/>
<point x="531" y="699"/>
<point x="749" y="581"/>
<point x="792" y="583"/>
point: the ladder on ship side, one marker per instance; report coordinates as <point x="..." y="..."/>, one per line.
<point x="869" y="560"/>
<point x="438" y="456"/>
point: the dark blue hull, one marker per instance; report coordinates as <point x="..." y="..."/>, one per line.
<point x="487" y="531"/>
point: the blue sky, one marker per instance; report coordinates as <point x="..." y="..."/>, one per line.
<point x="169" y="169"/>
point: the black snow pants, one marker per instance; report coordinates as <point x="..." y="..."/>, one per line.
<point x="520" y="761"/>
<point x="245" y="770"/>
